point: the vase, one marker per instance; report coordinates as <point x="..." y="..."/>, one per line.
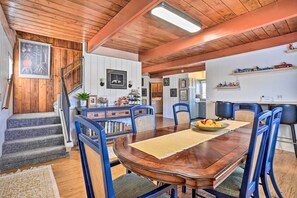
<point x="83" y="103"/>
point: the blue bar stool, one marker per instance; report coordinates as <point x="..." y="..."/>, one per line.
<point x="224" y="110"/>
<point x="289" y="117"/>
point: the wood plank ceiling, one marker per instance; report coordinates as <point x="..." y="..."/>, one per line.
<point x="80" y="20"/>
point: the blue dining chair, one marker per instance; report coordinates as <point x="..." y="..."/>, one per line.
<point x="267" y="168"/>
<point x="181" y="113"/>
<point x="246" y="112"/>
<point x="96" y="169"/>
<point x="245" y="182"/>
<point x="143" y="118"/>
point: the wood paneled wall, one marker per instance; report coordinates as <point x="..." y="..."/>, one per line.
<point x="39" y="95"/>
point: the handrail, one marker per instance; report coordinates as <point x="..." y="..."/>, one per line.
<point x="65" y="102"/>
<point x="9" y="92"/>
<point x="78" y="60"/>
<point x="66" y="108"/>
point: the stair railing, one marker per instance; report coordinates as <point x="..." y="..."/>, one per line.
<point x="9" y="92"/>
<point x="71" y="79"/>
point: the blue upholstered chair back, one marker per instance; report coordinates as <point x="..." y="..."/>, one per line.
<point x="272" y="138"/>
<point x="94" y="159"/>
<point x="255" y="155"/>
<point x="246" y="107"/>
<point x="245" y="112"/>
<point x="181" y="108"/>
<point x="143" y="121"/>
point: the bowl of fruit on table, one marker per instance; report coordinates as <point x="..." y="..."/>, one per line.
<point x="209" y="125"/>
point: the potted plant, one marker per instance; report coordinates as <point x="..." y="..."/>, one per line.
<point x="83" y="97"/>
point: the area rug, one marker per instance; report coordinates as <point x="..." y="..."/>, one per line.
<point x="38" y="182"/>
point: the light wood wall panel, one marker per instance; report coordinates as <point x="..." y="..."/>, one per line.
<point x="39" y="95"/>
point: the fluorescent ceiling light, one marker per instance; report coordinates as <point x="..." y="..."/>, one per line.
<point x="174" y="16"/>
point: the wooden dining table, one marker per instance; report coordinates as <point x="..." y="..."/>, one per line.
<point x="205" y="165"/>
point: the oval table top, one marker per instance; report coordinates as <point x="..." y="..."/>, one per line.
<point x="205" y="165"/>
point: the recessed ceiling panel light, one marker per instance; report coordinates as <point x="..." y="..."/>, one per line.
<point x="174" y="16"/>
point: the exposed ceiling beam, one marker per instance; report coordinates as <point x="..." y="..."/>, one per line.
<point x="257" y="45"/>
<point x="130" y="12"/>
<point x="281" y="10"/>
<point x="10" y="33"/>
<point x="196" y="68"/>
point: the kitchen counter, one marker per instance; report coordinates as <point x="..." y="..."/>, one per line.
<point x="263" y="102"/>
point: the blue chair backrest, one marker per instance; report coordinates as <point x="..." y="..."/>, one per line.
<point x="247" y="107"/>
<point x="255" y="155"/>
<point x="94" y="159"/>
<point x="179" y="108"/>
<point x="147" y="120"/>
<point x="272" y="138"/>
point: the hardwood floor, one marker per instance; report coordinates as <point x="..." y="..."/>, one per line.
<point x="68" y="173"/>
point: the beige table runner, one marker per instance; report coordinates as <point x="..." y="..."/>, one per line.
<point x="167" y="145"/>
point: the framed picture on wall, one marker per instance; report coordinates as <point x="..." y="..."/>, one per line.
<point x="183" y="95"/>
<point x="92" y="101"/>
<point x="173" y="92"/>
<point x="166" y="81"/>
<point x="34" y="59"/>
<point x="144" y="92"/>
<point x="183" y="83"/>
<point x="116" y="79"/>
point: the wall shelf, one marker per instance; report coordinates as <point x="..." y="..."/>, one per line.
<point x="229" y="87"/>
<point x="291" y="51"/>
<point x="264" y="71"/>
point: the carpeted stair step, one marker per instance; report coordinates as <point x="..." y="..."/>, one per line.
<point x="32" y="131"/>
<point x="32" y="119"/>
<point x="16" y="160"/>
<point x="14" y="146"/>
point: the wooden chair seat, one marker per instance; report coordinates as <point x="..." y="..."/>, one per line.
<point x="231" y="186"/>
<point x="132" y="185"/>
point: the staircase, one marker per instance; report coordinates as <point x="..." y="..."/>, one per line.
<point x="32" y="138"/>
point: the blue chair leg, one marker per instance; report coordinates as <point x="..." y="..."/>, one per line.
<point x="184" y="189"/>
<point x="294" y="139"/>
<point x="193" y="193"/>
<point x="265" y="185"/>
<point x="256" y="194"/>
<point x="272" y="178"/>
<point x="173" y="193"/>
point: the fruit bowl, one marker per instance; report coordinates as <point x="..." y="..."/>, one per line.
<point x="209" y="125"/>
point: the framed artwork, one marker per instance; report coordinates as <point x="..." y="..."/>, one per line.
<point x="173" y="92"/>
<point x="183" y="83"/>
<point x="34" y="59"/>
<point x="144" y="101"/>
<point x="144" y="92"/>
<point x="92" y="101"/>
<point x="183" y="95"/>
<point x="166" y="81"/>
<point x="116" y="79"/>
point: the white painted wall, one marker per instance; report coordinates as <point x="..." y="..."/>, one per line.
<point x="5" y="49"/>
<point x="95" y="68"/>
<point x="146" y="85"/>
<point x="255" y="85"/>
<point x="167" y="100"/>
